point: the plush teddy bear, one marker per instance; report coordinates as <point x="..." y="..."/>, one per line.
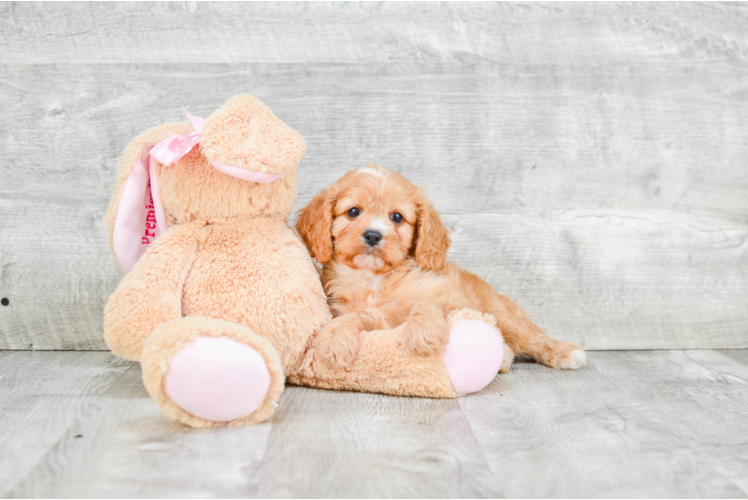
<point x="221" y="301"/>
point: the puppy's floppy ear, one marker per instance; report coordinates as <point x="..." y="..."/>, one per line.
<point x="432" y="237"/>
<point x="314" y="224"/>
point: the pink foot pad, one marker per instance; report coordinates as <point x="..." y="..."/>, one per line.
<point x="217" y="379"/>
<point x="473" y="356"/>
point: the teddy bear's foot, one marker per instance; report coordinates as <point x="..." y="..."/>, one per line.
<point x="217" y="379"/>
<point x="474" y="352"/>
<point x="207" y="372"/>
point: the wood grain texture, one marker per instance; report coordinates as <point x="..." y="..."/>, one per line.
<point x="463" y="33"/>
<point x="354" y="445"/>
<point x="612" y="279"/>
<point x="631" y="424"/>
<point x="125" y="447"/>
<point x="42" y="394"/>
<point x="589" y="158"/>
<point x="739" y="355"/>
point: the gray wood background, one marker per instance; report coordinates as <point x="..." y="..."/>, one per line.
<point x="591" y="159"/>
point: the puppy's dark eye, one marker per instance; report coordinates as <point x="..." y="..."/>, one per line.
<point x="396" y="218"/>
<point x="354" y="212"/>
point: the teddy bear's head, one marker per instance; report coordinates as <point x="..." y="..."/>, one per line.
<point x="245" y="165"/>
<point x="240" y="161"/>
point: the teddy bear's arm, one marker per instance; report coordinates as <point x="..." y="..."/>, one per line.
<point x="151" y="293"/>
<point x="386" y="365"/>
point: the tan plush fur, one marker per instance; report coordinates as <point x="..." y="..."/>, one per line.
<point x="404" y="279"/>
<point x="265" y="145"/>
<point x="230" y="266"/>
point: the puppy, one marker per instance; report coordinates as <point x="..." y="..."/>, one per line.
<point x="383" y="248"/>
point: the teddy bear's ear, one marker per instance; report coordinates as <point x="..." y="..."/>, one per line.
<point x="136" y="217"/>
<point x="243" y="135"/>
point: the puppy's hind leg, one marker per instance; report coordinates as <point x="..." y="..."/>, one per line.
<point x="555" y="353"/>
<point x="524" y="337"/>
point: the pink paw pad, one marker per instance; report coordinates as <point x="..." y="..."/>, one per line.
<point x="217" y="379"/>
<point x="473" y="357"/>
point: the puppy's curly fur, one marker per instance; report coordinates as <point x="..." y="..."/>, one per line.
<point x="383" y="248"/>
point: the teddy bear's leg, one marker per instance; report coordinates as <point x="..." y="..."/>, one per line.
<point x="384" y="364"/>
<point x="474" y="352"/>
<point x="207" y="372"/>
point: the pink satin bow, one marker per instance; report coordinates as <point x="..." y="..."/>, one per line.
<point x="172" y="149"/>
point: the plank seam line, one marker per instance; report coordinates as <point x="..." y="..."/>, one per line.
<point x="13" y="486"/>
<point x="722" y="378"/>
<point x="494" y="476"/>
<point x="711" y="370"/>
<point x="697" y="452"/>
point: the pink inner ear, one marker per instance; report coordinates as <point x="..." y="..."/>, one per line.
<point x="245" y="175"/>
<point x="140" y="215"/>
<point x="158" y="207"/>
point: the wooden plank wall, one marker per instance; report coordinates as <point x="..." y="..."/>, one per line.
<point x="591" y="159"/>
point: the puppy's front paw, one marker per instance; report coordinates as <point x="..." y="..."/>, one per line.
<point x="337" y="348"/>
<point x="426" y="338"/>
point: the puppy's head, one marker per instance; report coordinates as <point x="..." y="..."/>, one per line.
<point x="373" y="218"/>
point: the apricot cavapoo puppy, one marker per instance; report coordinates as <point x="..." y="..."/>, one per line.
<point x="383" y="248"/>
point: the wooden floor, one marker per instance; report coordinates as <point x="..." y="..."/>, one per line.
<point x="630" y="424"/>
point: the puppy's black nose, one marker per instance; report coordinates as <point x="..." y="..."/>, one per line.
<point x="372" y="237"/>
